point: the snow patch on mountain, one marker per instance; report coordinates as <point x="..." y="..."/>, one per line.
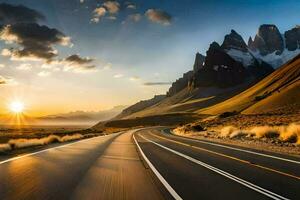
<point x="243" y="57"/>
<point x="277" y="60"/>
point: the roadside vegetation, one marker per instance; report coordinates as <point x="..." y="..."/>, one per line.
<point x="21" y="139"/>
<point x="289" y="133"/>
<point x="14" y="144"/>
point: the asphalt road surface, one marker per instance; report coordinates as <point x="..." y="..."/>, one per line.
<point x="196" y="169"/>
<point x="106" y="167"/>
<point x="149" y="164"/>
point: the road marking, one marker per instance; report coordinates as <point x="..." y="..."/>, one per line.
<point x="223" y="173"/>
<point x="158" y="175"/>
<point x="243" y="150"/>
<point x="58" y="147"/>
<point x="121" y="158"/>
<point x="230" y="157"/>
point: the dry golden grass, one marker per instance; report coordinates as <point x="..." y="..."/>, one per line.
<point x="289" y="133"/>
<point x="25" y="143"/>
<point x="5" y="147"/>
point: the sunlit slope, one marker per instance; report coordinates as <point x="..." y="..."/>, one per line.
<point x="189" y="101"/>
<point x="280" y="91"/>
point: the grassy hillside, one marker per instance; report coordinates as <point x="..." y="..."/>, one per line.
<point x="278" y="92"/>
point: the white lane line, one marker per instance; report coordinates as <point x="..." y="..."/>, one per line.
<point x="242" y="150"/>
<point x="159" y="176"/>
<point x="223" y="173"/>
<point x="58" y="147"/>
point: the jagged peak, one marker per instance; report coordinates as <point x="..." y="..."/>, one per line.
<point x="214" y="45"/>
<point x="199" y="61"/>
<point x="263" y="27"/>
<point x="233" y="32"/>
<point x="233" y="40"/>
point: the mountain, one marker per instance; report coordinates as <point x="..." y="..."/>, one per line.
<point x="235" y="62"/>
<point x="141" y="105"/>
<point x="278" y="92"/>
<point x="82" y="117"/>
<point x="220" y="80"/>
<point x="219" y="69"/>
<point x="274" y="48"/>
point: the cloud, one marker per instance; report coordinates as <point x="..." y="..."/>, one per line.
<point x="78" y="64"/>
<point x="44" y="74"/>
<point x="135" y="17"/>
<point x="81" y="1"/>
<point x="112" y="17"/>
<point x="11" y="14"/>
<point x="36" y="41"/>
<point x="24" y="66"/>
<point x="98" y="14"/>
<point x="74" y="63"/>
<point x="131" y="6"/>
<point x="6" y="52"/>
<point x="113" y="7"/>
<point x="118" y="75"/>
<point x="107" y="66"/>
<point x="134" y="78"/>
<point x="7" y="81"/>
<point x="76" y="59"/>
<point x="157" y="83"/>
<point x="159" y="16"/>
<point x="2" y="80"/>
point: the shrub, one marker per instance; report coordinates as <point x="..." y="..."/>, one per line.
<point x="228" y="114"/>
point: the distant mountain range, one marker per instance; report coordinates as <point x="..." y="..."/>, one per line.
<point x="80" y="117"/>
<point x="230" y="71"/>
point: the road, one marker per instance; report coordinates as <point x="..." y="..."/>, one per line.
<point x="149" y="164"/>
<point x="204" y="170"/>
<point x="106" y="167"/>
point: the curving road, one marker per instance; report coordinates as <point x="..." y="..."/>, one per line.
<point x="197" y="169"/>
<point x="149" y="164"/>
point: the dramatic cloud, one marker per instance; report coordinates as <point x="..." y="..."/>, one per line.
<point x="78" y="64"/>
<point x="158" y="16"/>
<point x="98" y="14"/>
<point x="113" y="7"/>
<point x="157" y="83"/>
<point x="10" y="14"/>
<point x="36" y="41"/>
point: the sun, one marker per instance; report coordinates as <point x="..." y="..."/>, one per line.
<point x="16" y="107"/>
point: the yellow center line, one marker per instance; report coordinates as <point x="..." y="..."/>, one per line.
<point x="229" y="157"/>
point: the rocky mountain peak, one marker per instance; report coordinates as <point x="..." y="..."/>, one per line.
<point x="199" y="62"/>
<point x="292" y="38"/>
<point x="214" y="46"/>
<point x="250" y="41"/>
<point x="234" y="41"/>
<point x="268" y="40"/>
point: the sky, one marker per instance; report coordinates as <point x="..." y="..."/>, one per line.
<point x="65" y="55"/>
